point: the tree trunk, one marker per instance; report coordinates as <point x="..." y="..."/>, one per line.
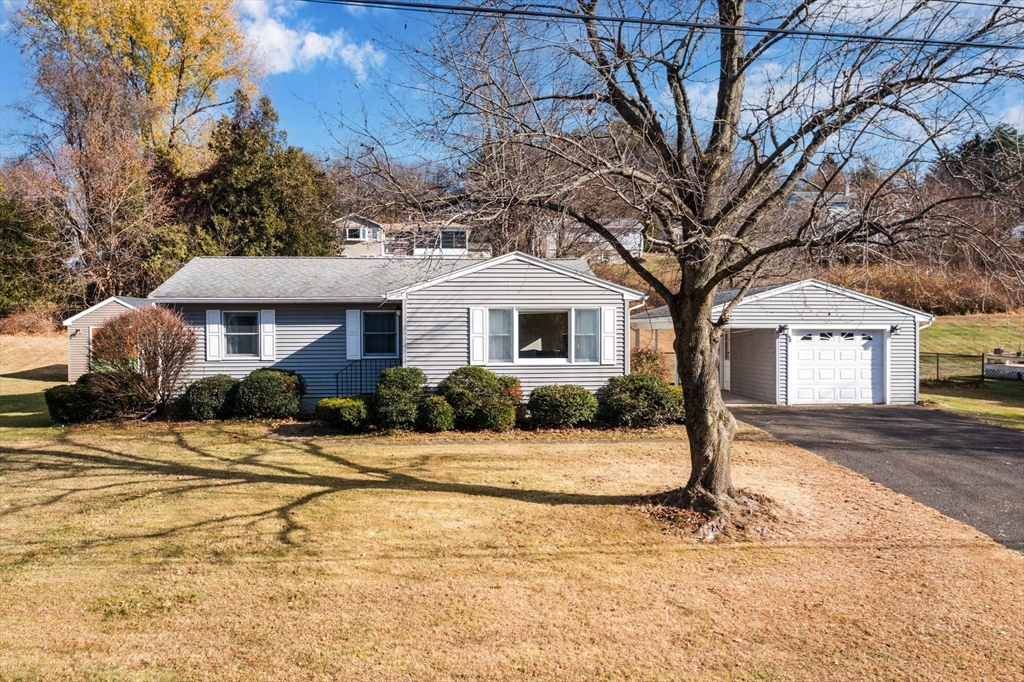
<point x="710" y="427"/>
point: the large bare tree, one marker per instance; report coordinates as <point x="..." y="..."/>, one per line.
<point x="705" y="134"/>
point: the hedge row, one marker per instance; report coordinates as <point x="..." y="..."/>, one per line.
<point x="476" y="399"/>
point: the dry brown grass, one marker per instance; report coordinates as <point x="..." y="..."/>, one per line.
<point x="246" y="551"/>
<point x="161" y="552"/>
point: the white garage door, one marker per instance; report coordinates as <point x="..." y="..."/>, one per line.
<point x="838" y="367"/>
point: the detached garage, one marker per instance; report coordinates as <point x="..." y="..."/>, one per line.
<point x="809" y="342"/>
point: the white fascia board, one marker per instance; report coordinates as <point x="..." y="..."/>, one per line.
<point x="376" y="299"/>
<point x="832" y="288"/>
<point x="68" y="322"/>
<point x="629" y="294"/>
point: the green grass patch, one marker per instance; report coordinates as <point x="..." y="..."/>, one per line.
<point x="999" y="402"/>
<point x="974" y="334"/>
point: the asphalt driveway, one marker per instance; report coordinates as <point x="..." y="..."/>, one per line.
<point x="968" y="470"/>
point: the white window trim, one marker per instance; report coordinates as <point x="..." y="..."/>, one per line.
<point x="362" y="336"/>
<point x="534" y="362"/>
<point x="224" y="335"/>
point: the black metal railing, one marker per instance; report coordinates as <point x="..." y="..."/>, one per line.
<point x="951" y="367"/>
<point x="360" y="376"/>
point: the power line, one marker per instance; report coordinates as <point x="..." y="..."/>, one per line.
<point x="470" y="10"/>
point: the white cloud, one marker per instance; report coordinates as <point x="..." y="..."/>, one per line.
<point x="285" y="48"/>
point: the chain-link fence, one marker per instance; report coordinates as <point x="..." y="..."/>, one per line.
<point x="950" y="367"/>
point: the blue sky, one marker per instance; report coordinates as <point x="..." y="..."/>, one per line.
<point x="320" y="61"/>
<point x="316" y="57"/>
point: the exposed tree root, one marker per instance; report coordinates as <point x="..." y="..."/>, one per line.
<point x="704" y="516"/>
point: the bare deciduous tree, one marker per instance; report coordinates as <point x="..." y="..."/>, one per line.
<point x="705" y="134"/>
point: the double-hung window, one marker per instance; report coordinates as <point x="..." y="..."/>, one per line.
<point x="543" y="335"/>
<point x="380" y="334"/>
<point x="241" y="334"/>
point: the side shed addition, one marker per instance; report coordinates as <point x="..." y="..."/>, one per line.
<point x="81" y="327"/>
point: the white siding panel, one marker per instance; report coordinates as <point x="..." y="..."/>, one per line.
<point x="437" y="322"/>
<point x="752" y="369"/>
<point x="78" y="336"/>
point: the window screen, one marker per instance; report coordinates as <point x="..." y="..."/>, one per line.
<point x="380" y="334"/>
<point x="241" y="334"/>
<point x="499" y="336"/>
<point x="588" y="335"/>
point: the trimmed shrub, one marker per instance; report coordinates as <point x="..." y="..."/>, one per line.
<point x="436" y="415"/>
<point x="118" y="393"/>
<point x="561" y="406"/>
<point x="512" y="388"/>
<point x="651" y="362"/>
<point x="399" y="393"/>
<point x="639" y="400"/>
<point x="348" y="414"/>
<point x="496" y="415"/>
<point x="208" y="398"/>
<point x="677" y="404"/>
<point x="475" y="395"/>
<point x="73" y="404"/>
<point x="270" y="393"/>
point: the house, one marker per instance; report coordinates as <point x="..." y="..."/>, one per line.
<point x="339" y="321"/>
<point x="360" y="237"/>
<point x="808" y="342"/>
<point x="82" y="326"/>
<point x="432" y="240"/>
<point x="560" y="238"/>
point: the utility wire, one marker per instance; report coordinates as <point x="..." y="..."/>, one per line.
<point x="470" y="10"/>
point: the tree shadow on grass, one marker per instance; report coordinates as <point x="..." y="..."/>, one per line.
<point x="75" y="458"/>
<point x="47" y="373"/>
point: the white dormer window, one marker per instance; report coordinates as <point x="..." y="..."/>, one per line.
<point x="361" y="234"/>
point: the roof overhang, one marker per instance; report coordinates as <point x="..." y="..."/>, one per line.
<point x="113" y="299"/>
<point x="664" y="321"/>
<point x="254" y="301"/>
<point x="628" y="294"/>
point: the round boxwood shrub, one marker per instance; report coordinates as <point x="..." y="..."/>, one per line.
<point x="678" y="408"/>
<point x="399" y="393"/>
<point x="561" y="406"/>
<point x="347" y="414"/>
<point x="639" y="400"/>
<point x="475" y="395"/>
<point x="118" y="393"/>
<point x="270" y="393"/>
<point x="208" y="398"/>
<point x="435" y="415"/>
<point x="496" y="415"/>
<point x="73" y="404"/>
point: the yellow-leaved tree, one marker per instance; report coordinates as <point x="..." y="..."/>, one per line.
<point x="183" y="58"/>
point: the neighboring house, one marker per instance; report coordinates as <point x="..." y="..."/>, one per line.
<point x="429" y="240"/>
<point x="361" y="237"/>
<point x="809" y="342"/>
<point x="82" y="326"/>
<point x="560" y="238"/>
<point x="339" y="321"/>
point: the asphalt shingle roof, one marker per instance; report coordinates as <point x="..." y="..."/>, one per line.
<point x="722" y="296"/>
<point x="269" y="278"/>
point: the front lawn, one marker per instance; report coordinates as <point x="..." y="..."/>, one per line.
<point x="1000" y="402"/>
<point x="246" y="551"/>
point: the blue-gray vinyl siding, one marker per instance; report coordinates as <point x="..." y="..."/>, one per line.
<point x="437" y="321"/>
<point x="309" y="339"/>
<point x="752" y="369"/>
<point x="811" y="306"/>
